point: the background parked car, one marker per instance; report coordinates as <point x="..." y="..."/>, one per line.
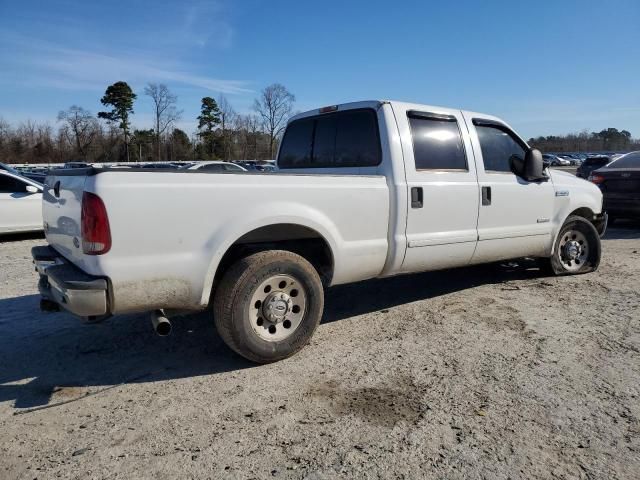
<point x="555" y="161"/>
<point x="20" y="203"/>
<point x="216" y="166"/>
<point x="569" y="158"/>
<point x="591" y="164"/>
<point x="619" y="182"/>
<point x="76" y="165"/>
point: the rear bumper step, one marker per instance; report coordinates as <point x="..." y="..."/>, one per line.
<point x="69" y="287"/>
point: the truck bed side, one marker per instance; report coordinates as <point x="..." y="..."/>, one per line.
<point x="171" y="229"/>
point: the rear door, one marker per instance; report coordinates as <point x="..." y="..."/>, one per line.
<point x="443" y="190"/>
<point x="515" y="215"/>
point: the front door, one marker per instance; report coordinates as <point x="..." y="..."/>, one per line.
<point x="443" y="189"/>
<point x="515" y="215"/>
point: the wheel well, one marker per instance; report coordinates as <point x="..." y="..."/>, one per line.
<point x="298" y="239"/>
<point x="584" y="212"/>
<point x="598" y="221"/>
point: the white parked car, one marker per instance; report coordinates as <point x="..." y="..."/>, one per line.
<point x="216" y="166"/>
<point x="20" y="203"/>
<point x="364" y="190"/>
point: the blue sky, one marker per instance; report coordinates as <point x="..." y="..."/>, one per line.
<point x="545" y="67"/>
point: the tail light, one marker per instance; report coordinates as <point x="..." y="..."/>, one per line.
<point x="597" y="179"/>
<point x="96" y="234"/>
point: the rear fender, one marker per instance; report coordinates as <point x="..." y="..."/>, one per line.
<point x="228" y="235"/>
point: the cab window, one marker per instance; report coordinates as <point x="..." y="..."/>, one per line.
<point x="437" y="142"/>
<point x="498" y="145"/>
<point x="340" y="139"/>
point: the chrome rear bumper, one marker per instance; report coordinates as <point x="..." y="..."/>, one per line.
<point x="69" y="287"/>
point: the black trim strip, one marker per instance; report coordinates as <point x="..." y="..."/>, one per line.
<point x="485" y="122"/>
<point x="431" y="116"/>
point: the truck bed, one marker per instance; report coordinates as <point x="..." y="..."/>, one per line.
<point x="171" y="228"/>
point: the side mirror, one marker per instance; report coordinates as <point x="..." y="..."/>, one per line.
<point x="32" y="189"/>
<point x="531" y="168"/>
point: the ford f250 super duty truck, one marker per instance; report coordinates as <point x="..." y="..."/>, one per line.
<point x="367" y="189"/>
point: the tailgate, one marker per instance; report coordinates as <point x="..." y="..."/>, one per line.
<point x="61" y="210"/>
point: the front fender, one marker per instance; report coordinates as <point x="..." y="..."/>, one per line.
<point x="576" y="196"/>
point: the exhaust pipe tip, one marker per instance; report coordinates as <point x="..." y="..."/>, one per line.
<point x="161" y="324"/>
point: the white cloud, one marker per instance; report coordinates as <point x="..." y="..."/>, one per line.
<point x="49" y="65"/>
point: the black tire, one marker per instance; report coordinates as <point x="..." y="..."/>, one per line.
<point x="581" y="229"/>
<point x="234" y="310"/>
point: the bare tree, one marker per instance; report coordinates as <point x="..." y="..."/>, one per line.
<point x="165" y="112"/>
<point x="227" y="114"/>
<point x="274" y="107"/>
<point x="80" y="128"/>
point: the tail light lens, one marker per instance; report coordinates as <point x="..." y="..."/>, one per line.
<point x="597" y="179"/>
<point x="96" y="234"/>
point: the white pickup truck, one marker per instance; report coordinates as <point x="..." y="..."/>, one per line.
<point x="367" y="189"/>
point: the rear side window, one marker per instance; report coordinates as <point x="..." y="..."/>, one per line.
<point x="437" y="143"/>
<point x="596" y="162"/>
<point x="631" y="160"/>
<point x="497" y="148"/>
<point x="341" y="139"/>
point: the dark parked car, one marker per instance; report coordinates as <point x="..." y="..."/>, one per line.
<point x="620" y="185"/>
<point x="590" y="164"/>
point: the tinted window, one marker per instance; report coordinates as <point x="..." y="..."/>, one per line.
<point x="357" y="142"/>
<point x="213" y="167"/>
<point x="343" y="139"/>
<point x="497" y="147"/>
<point x="631" y="160"/>
<point x="11" y="185"/>
<point x="596" y="161"/>
<point x="437" y="144"/>
<point x="295" y="151"/>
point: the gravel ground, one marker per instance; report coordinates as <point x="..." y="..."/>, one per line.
<point x="485" y="372"/>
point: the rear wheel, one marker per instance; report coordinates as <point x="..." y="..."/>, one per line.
<point x="268" y="305"/>
<point x="577" y="248"/>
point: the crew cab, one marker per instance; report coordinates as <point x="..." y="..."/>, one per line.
<point x="363" y="190"/>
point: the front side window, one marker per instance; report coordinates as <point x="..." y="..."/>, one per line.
<point x="341" y="139"/>
<point x="11" y="185"/>
<point x="497" y="148"/>
<point x="437" y="143"/>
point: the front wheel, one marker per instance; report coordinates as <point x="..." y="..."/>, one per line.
<point x="268" y="305"/>
<point x="577" y="248"/>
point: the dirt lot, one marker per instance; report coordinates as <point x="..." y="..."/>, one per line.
<point x="488" y="372"/>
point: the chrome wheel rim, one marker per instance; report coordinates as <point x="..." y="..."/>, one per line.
<point x="573" y="250"/>
<point x="278" y="306"/>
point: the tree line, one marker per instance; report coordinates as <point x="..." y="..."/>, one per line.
<point x="606" y="140"/>
<point x="221" y="133"/>
<point x="109" y="136"/>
